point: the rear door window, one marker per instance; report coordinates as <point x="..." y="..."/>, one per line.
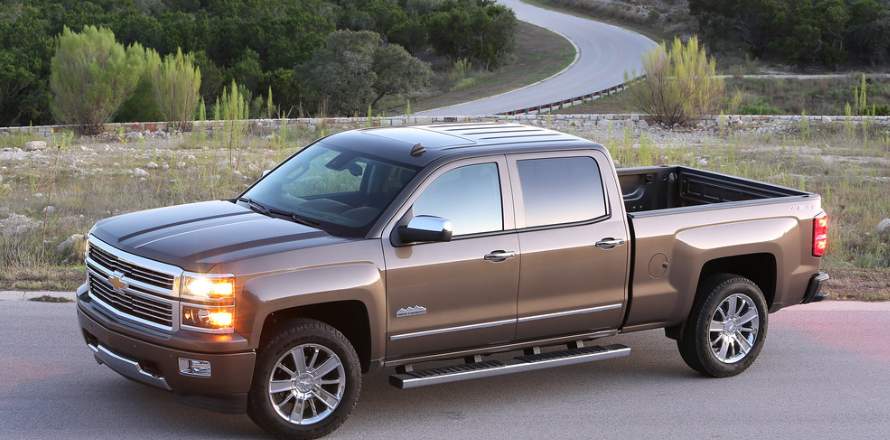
<point x="561" y="190"/>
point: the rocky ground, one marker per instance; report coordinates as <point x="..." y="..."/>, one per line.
<point x="53" y="189"/>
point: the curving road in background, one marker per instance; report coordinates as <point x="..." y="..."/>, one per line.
<point x="604" y="54"/>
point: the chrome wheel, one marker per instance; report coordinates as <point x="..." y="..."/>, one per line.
<point x="734" y="327"/>
<point x="307" y="384"/>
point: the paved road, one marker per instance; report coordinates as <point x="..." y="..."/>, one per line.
<point x="605" y="53"/>
<point x="824" y="374"/>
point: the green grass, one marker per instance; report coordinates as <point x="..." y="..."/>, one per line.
<point x="851" y="174"/>
<point x="539" y="54"/>
<point x="778" y="96"/>
<point x="87" y="180"/>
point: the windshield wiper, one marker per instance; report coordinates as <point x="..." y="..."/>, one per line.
<point x="256" y="206"/>
<point x="298" y="218"/>
<point x="265" y="210"/>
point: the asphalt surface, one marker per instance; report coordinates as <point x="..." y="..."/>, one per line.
<point x="824" y="373"/>
<point x="605" y="53"/>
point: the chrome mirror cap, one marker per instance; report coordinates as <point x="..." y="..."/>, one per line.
<point x="426" y="228"/>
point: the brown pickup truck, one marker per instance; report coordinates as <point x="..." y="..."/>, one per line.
<point x="446" y="252"/>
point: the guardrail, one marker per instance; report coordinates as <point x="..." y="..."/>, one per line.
<point x="570" y="102"/>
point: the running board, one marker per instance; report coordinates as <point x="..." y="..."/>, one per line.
<point x="491" y="368"/>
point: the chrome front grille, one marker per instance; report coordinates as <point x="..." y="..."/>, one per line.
<point x="148" y="308"/>
<point x="133" y="287"/>
<point x="131" y="271"/>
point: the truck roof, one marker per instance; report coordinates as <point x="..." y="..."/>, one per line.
<point x="422" y="144"/>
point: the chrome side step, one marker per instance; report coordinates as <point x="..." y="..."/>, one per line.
<point x="529" y="362"/>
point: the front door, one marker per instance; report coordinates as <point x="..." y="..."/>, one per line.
<point x="448" y="296"/>
<point x="574" y="244"/>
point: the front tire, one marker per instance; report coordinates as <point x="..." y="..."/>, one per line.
<point x="726" y="328"/>
<point x="306" y="382"/>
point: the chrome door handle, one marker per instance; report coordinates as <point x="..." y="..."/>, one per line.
<point x="609" y="243"/>
<point x="497" y="256"/>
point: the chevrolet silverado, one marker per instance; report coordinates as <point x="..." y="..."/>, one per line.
<point x="444" y="253"/>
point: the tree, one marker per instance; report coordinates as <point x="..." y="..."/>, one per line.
<point x="355" y="69"/>
<point x="26" y="46"/>
<point x="680" y="83"/>
<point x="257" y="42"/>
<point x="342" y="72"/>
<point x="177" y="85"/>
<point x="826" y="32"/>
<point x="398" y="72"/>
<point x="92" y="75"/>
<point x="479" y="30"/>
<point x="248" y="71"/>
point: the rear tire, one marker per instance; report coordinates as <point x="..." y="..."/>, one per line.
<point x="292" y="400"/>
<point x="726" y="328"/>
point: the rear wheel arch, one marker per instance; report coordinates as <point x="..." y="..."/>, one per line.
<point x="760" y="268"/>
<point x="350" y="317"/>
<point x="743" y="328"/>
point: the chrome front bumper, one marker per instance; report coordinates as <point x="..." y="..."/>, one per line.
<point x="127" y="367"/>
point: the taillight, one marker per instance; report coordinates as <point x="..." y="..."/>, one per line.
<point x="820" y="234"/>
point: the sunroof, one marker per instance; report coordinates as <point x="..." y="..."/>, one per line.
<point x="411" y="135"/>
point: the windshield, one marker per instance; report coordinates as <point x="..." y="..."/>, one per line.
<point x="343" y="191"/>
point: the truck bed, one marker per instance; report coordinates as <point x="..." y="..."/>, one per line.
<point x="665" y="187"/>
<point x="681" y="217"/>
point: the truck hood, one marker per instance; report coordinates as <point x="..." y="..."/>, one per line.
<point x="198" y="236"/>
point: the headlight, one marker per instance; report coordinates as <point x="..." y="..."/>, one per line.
<point x="212" y="289"/>
<point x="208" y="302"/>
<point x="213" y="319"/>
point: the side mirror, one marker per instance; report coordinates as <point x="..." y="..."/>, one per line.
<point x="266" y="172"/>
<point x="425" y="228"/>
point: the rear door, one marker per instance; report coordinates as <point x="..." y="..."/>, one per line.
<point x="575" y="254"/>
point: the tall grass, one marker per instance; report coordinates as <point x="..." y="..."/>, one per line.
<point x="86" y="182"/>
<point x="233" y="108"/>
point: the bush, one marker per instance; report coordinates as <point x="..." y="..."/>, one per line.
<point x="142" y="105"/>
<point x="177" y="86"/>
<point x="92" y="75"/>
<point x="759" y="107"/>
<point x="680" y="83"/>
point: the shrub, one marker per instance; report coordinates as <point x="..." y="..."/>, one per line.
<point x="680" y="83"/>
<point x="177" y="86"/>
<point x="759" y="107"/>
<point x="142" y="105"/>
<point x="92" y="75"/>
<point x="233" y="107"/>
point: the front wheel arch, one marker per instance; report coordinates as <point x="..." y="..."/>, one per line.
<point x="349" y="317"/>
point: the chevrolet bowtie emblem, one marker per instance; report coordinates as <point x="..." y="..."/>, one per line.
<point x="117" y="281"/>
